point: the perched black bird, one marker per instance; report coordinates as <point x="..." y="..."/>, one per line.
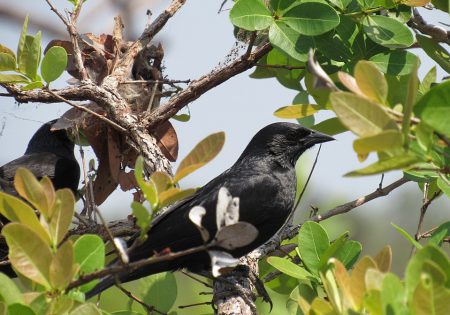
<point x="264" y="180"/>
<point x="49" y="153"/>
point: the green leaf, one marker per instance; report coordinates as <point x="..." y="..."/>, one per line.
<point x="387" y="32"/>
<point x="424" y="135"/>
<point x="292" y="43"/>
<point x="28" y="187"/>
<point x="435" y="51"/>
<point x="147" y="187"/>
<point x="407" y="236"/>
<point x="20" y="309"/>
<point x="334" y="248"/>
<point x="22" y="38"/>
<point x="172" y="195"/>
<point x="427" y="81"/>
<point x="393" y="163"/>
<point x="90" y="255"/>
<point x="7" y="62"/>
<point x="313" y="241"/>
<point x="442" y="5"/>
<point x="30" y="57"/>
<point x="182" y="117"/>
<point x="28" y="253"/>
<point x="288" y="78"/>
<point x="252" y="15"/>
<point x="203" y="152"/>
<point x="434" y="108"/>
<point x="32" y="86"/>
<point x="296" y="111"/>
<point x="439" y="234"/>
<point x="444" y="186"/>
<point x="331" y="126"/>
<point x="281" y="5"/>
<point x="6" y="50"/>
<point x="13" y="78"/>
<point x="62" y="268"/>
<point x="9" y="292"/>
<point x="15" y="210"/>
<point x="371" y="81"/>
<point x="311" y="18"/>
<point x="61" y="215"/>
<point x="393" y="296"/>
<point x="289" y="268"/>
<point x="361" y="115"/>
<point x="143" y="217"/>
<point x="348" y="254"/>
<point x="413" y="86"/>
<point x="160" y="290"/>
<point x="395" y="62"/>
<point x="54" y="63"/>
<point x="86" y="309"/>
<point x="383" y="141"/>
<point x="430" y="298"/>
<point x="417" y="266"/>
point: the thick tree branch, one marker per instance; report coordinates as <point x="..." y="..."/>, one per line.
<point x="205" y="83"/>
<point x="438" y="33"/>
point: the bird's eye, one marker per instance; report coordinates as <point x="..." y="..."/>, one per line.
<point x="292" y="137"/>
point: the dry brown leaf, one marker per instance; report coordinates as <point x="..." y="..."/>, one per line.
<point x="127" y="180"/>
<point x="114" y="154"/>
<point x="167" y="139"/>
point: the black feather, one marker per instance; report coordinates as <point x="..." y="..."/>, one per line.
<point x="263" y="178"/>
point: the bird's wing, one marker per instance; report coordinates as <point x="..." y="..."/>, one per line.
<point x="39" y="164"/>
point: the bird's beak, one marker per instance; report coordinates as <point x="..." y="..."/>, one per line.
<point x="317" y="137"/>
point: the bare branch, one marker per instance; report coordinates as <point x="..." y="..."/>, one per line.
<point x="87" y="110"/>
<point x="149" y="308"/>
<point x="205" y="83"/>
<point x="438" y="33"/>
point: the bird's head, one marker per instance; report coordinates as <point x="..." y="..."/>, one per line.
<point x="46" y="140"/>
<point x="285" y="141"/>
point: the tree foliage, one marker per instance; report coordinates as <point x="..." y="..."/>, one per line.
<point x="349" y="58"/>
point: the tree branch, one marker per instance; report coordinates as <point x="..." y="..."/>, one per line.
<point x="438" y="33"/>
<point x="205" y="83"/>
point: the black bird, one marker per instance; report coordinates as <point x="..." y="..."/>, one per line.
<point x="263" y="178"/>
<point x="49" y="153"/>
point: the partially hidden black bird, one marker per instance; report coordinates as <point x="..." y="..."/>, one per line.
<point x="263" y="178"/>
<point x="49" y="153"/>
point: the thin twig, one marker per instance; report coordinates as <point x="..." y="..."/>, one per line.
<point x="438" y="33"/>
<point x="87" y="110"/>
<point x="187" y="274"/>
<point x="346" y="207"/>
<point x="426" y="203"/>
<point x="195" y="304"/>
<point x="170" y="82"/>
<point x="200" y="86"/>
<point x="136" y="265"/>
<point x="149" y="308"/>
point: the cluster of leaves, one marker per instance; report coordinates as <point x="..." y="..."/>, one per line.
<point x="24" y="66"/>
<point x="404" y="126"/>
<point x="40" y="250"/>
<point x="323" y="284"/>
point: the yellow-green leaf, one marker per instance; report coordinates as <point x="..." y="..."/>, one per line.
<point x="384" y="259"/>
<point x="371" y="81"/>
<point x="49" y="192"/>
<point x="162" y="181"/>
<point x="322" y="307"/>
<point x="62" y="267"/>
<point x="360" y="115"/>
<point x="29" y="188"/>
<point x="296" y="111"/>
<point x="28" y="252"/>
<point x="62" y="213"/>
<point x="147" y="187"/>
<point x="357" y="279"/>
<point x="382" y="141"/>
<point x="86" y="309"/>
<point x="16" y="210"/>
<point x="392" y="163"/>
<point x="203" y="152"/>
<point x="168" y="197"/>
<point x="415" y="3"/>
